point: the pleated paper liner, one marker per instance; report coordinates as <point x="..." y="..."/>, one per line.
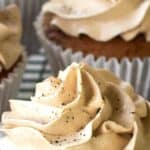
<point x="9" y="86"/>
<point x="137" y="71"/>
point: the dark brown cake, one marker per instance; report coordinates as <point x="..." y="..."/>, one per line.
<point x="5" y="73"/>
<point x="117" y="47"/>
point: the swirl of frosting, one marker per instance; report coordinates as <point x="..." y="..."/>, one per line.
<point x="10" y="36"/>
<point x="101" y="20"/>
<point x="83" y="108"/>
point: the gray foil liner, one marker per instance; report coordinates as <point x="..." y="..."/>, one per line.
<point x="9" y="86"/>
<point x="137" y="71"/>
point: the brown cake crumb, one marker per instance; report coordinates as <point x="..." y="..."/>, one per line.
<point x="116" y="47"/>
<point x="5" y="73"/>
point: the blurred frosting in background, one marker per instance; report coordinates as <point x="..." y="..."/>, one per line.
<point x="30" y="12"/>
<point x="10" y="35"/>
<point x="102" y="20"/>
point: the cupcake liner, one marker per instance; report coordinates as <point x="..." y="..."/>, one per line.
<point x="137" y="71"/>
<point x="9" y="86"/>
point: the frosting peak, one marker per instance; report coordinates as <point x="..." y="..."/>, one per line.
<point x="83" y="108"/>
<point x="77" y="9"/>
<point x="10" y="36"/>
<point x="101" y="20"/>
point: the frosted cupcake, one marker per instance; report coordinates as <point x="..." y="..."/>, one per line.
<point x="111" y="28"/>
<point x="83" y="108"/>
<point x="12" y="57"/>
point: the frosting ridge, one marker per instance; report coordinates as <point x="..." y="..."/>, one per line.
<point x="103" y="20"/>
<point x="10" y="36"/>
<point x="80" y="109"/>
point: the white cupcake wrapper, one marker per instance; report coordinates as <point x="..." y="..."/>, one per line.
<point x="9" y="86"/>
<point x="137" y="71"/>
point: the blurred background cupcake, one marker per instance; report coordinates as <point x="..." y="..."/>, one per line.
<point x="113" y="34"/>
<point x="12" y="55"/>
<point x="102" y="28"/>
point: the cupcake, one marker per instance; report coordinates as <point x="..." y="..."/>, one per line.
<point x="12" y="57"/>
<point x="114" y="28"/>
<point x="83" y="108"/>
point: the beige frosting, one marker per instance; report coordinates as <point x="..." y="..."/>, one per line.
<point x="10" y="35"/>
<point x="83" y="108"/>
<point x="101" y="20"/>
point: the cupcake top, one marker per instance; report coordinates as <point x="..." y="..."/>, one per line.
<point x="83" y="108"/>
<point x="101" y="20"/>
<point x="10" y="35"/>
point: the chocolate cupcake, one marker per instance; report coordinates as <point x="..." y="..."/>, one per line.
<point x="12" y="56"/>
<point x="101" y="28"/>
<point x="112" y="34"/>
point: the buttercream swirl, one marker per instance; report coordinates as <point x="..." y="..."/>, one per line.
<point x="83" y="108"/>
<point x="10" y="36"/>
<point x="101" y="20"/>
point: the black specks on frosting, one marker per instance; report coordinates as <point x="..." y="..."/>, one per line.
<point x="82" y="134"/>
<point x="63" y="104"/>
<point x="56" y="141"/>
<point x="69" y="118"/>
<point x="63" y="141"/>
<point x="70" y="139"/>
<point x="81" y="128"/>
<point x="98" y="110"/>
<point x="53" y="115"/>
